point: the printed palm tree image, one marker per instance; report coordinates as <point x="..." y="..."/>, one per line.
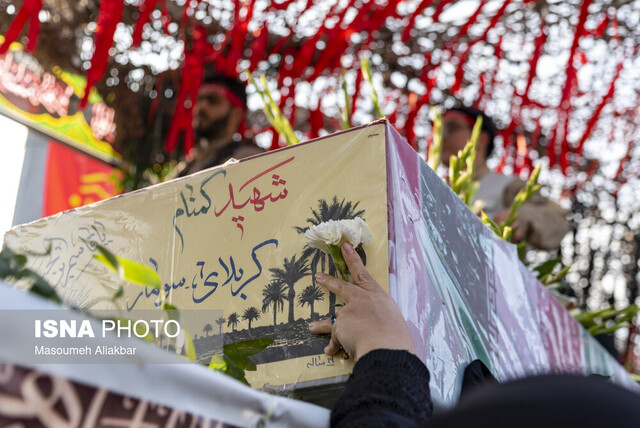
<point x="251" y="314"/>
<point x="220" y="321"/>
<point x="208" y="329"/>
<point x="274" y="295"/>
<point x="311" y="294"/>
<point x="233" y="320"/>
<point x="291" y="272"/>
<point x="318" y="260"/>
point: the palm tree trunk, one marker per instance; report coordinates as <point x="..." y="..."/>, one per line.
<point x="332" y="303"/>
<point x="275" y="311"/>
<point x="291" y="297"/>
<point x="311" y="315"/>
<point x="332" y="296"/>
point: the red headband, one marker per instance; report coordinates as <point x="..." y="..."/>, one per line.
<point x="455" y="114"/>
<point x="231" y="96"/>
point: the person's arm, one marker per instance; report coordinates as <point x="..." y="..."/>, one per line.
<point x="387" y="388"/>
<point x="389" y="385"/>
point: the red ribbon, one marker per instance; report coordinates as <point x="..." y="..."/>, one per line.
<point x="596" y="113"/>
<point x="316" y="121"/>
<point x="406" y="34"/>
<point x="29" y="10"/>
<point x="565" y="102"/>
<point x="259" y="47"/>
<point x="145" y="7"/>
<point x="533" y="63"/>
<point x="108" y="19"/>
<point x="191" y="79"/>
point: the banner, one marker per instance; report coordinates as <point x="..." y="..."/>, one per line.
<point x="73" y="179"/>
<point x="231" y="238"/>
<point x="49" y="103"/>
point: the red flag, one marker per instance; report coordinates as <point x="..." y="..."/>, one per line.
<point x="73" y="179"/>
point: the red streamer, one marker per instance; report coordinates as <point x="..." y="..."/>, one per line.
<point x="29" y="10"/>
<point x="191" y="79"/>
<point x="146" y="7"/>
<point x="239" y="35"/>
<point x="406" y="34"/>
<point x="316" y="121"/>
<point x="465" y="28"/>
<point x="596" y="113"/>
<point x="533" y="63"/>
<point x="259" y="47"/>
<point x="565" y="102"/>
<point x="108" y="19"/>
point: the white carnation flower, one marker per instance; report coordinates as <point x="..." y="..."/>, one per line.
<point x="337" y="232"/>
<point x="356" y="232"/>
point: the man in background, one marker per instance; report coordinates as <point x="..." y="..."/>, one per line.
<point x="218" y="119"/>
<point x="541" y="222"/>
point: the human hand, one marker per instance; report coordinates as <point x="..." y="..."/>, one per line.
<point x="370" y="318"/>
<point x="518" y="234"/>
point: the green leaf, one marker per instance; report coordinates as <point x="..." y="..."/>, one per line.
<point x="118" y="294"/>
<point x="225" y="366"/>
<point x="345" y="116"/>
<point x="218" y="363"/>
<point x="560" y="275"/>
<point x="172" y="312"/>
<point x="435" y="151"/>
<point x="40" y="286"/>
<point x="634" y="377"/>
<point x="247" y="347"/>
<point x="273" y="113"/>
<point x="242" y="361"/>
<point x="601" y="329"/>
<point x="522" y="250"/>
<point x="189" y="348"/>
<point x="108" y="258"/>
<point x="365" y="67"/>
<point x="5" y="271"/>
<point x="507" y="233"/>
<point x="589" y="316"/>
<point x="129" y="270"/>
<point x="547" y="267"/>
<point x="20" y="261"/>
<point x="487" y="220"/>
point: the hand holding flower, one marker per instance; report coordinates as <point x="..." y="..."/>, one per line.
<point x="370" y="319"/>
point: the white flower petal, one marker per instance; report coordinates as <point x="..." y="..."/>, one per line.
<point x="334" y="232"/>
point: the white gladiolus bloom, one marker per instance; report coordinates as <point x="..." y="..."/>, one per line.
<point x="337" y="232"/>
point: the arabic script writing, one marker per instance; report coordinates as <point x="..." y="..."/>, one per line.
<point x="195" y="202"/>
<point x="206" y="280"/>
<point x="320" y="361"/>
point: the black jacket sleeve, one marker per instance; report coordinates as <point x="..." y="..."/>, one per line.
<point x="386" y="389"/>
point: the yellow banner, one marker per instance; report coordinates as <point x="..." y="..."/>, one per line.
<point x="231" y="239"/>
<point x="49" y="103"/>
